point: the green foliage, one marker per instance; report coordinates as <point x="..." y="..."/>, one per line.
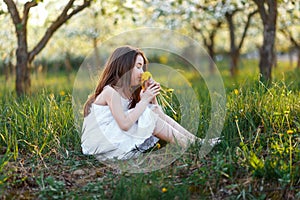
<point x="268" y="118"/>
<point x="58" y="64"/>
<point x="39" y="125"/>
<point x="51" y="188"/>
<point x="36" y="124"/>
<point x="169" y="103"/>
<point x="2" y="12"/>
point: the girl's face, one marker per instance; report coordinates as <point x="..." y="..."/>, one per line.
<point x="137" y="71"/>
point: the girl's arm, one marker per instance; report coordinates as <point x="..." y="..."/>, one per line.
<point x="126" y="120"/>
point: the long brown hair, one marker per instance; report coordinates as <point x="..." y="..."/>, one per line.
<point x="117" y="73"/>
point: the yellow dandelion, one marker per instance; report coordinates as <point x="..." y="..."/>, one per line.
<point x="62" y="93"/>
<point x="286" y="112"/>
<point x="163" y="59"/>
<point x="164" y="189"/>
<point x="290" y="131"/>
<point x="236" y="92"/>
<point x="158" y="145"/>
<point x="146" y="76"/>
<point x="161" y="99"/>
<point x="170" y="90"/>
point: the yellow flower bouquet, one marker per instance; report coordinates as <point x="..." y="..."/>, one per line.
<point x="164" y="96"/>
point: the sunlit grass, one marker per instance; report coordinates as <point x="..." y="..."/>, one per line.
<point x="55" y="82"/>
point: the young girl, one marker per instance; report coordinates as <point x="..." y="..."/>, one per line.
<point x="120" y="119"/>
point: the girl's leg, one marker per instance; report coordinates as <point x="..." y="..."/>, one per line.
<point x="178" y="127"/>
<point x="166" y="132"/>
<point x="181" y="129"/>
<point x="174" y="124"/>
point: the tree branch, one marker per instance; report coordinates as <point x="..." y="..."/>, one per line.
<point x="61" y="19"/>
<point x="214" y="31"/>
<point x="12" y="8"/>
<point x="80" y="8"/>
<point x="262" y="10"/>
<point x="289" y="35"/>
<point x="211" y="33"/>
<point x="27" y="7"/>
<point x="250" y="15"/>
<point x="202" y="34"/>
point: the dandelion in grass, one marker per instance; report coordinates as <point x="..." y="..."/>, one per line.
<point x="164" y="189"/>
<point x="290" y="133"/>
<point x="236" y="92"/>
<point x="161" y="98"/>
<point x="62" y="93"/>
<point x="158" y="145"/>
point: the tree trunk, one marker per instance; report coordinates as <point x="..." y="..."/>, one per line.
<point x="22" y="70"/>
<point x="296" y="44"/>
<point x="269" y="18"/>
<point x="233" y="49"/>
<point x="68" y="65"/>
<point x="290" y="53"/>
<point x="97" y="55"/>
<point x="236" y="49"/>
<point x="234" y="62"/>
<point x="267" y="53"/>
<point x="22" y="73"/>
<point x="211" y="53"/>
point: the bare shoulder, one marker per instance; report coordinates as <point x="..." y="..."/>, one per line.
<point x="109" y="91"/>
<point x="105" y="96"/>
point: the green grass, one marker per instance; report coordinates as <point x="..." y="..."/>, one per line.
<point x="40" y="155"/>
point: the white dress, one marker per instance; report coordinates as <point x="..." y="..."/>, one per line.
<point x="101" y="135"/>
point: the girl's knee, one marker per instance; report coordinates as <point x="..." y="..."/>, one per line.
<point x="157" y="109"/>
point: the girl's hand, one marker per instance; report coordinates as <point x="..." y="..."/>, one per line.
<point x="149" y="82"/>
<point x="151" y="91"/>
<point x="154" y="100"/>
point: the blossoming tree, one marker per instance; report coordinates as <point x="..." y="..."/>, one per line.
<point x="24" y="56"/>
